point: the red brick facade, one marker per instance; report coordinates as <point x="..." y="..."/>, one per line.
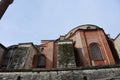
<point x="93" y="36"/>
<point x="82" y="37"/>
<point x="48" y="46"/>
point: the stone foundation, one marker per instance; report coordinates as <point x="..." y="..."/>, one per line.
<point x="82" y="73"/>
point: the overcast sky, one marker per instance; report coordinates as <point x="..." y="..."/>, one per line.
<point x="36" y="20"/>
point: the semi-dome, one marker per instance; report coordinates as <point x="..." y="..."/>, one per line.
<point x="82" y="27"/>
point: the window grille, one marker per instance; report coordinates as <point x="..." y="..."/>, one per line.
<point x="41" y="61"/>
<point x="95" y="52"/>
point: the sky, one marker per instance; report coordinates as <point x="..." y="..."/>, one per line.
<point x="36" y="20"/>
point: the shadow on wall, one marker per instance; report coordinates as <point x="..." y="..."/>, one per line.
<point x="49" y="63"/>
<point x="114" y="52"/>
<point x="80" y="60"/>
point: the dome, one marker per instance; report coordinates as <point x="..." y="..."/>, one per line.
<point x="82" y="27"/>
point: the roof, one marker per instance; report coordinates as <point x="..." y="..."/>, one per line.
<point x="117" y="36"/>
<point x="82" y="27"/>
<point x="3" y="46"/>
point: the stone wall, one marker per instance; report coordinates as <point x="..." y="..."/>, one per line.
<point x="18" y="58"/>
<point x="2" y="53"/>
<point x="21" y="56"/>
<point x="81" y="73"/>
<point x="117" y="44"/>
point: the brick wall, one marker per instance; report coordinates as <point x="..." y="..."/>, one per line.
<point x="83" y="39"/>
<point x="48" y="51"/>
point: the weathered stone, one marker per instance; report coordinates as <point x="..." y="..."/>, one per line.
<point x="92" y="74"/>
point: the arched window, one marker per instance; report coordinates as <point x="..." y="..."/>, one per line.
<point x="88" y="27"/>
<point x="42" y="50"/>
<point x="95" y="52"/>
<point x="35" y="61"/>
<point x="41" y="61"/>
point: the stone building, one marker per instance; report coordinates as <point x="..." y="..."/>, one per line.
<point x="3" y="50"/>
<point x="117" y="44"/>
<point x="85" y="45"/>
<point x="21" y="56"/>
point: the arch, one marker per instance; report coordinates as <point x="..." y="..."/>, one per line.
<point x="34" y="62"/>
<point x="19" y="78"/>
<point x="82" y="27"/>
<point x="88" y="27"/>
<point x="42" y="50"/>
<point x="41" y="61"/>
<point x="95" y="51"/>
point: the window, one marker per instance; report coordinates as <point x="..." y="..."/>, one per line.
<point x="95" y="52"/>
<point x="42" y="50"/>
<point x="41" y="61"/>
<point x="88" y="27"/>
